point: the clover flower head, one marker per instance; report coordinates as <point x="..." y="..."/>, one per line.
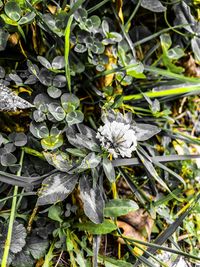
<point x="118" y="138"/>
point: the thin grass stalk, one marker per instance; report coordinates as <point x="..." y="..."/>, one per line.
<point x="12" y="217"/>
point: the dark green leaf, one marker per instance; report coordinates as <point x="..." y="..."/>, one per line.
<point x="153" y="5"/>
<point x="44" y="62"/>
<point x="97" y="229"/>
<point x="39" y="130"/>
<point x="145" y="131"/>
<point x="28" y="18"/>
<point x="118" y="207"/>
<point x="54" y="92"/>
<point x="57" y="111"/>
<point x="58" y="62"/>
<point x="89" y="162"/>
<point x="8" y="159"/>
<point x="12" y="10"/>
<point x="3" y="39"/>
<point x="109" y="169"/>
<point x="59" y="160"/>
<point x="55" y="213"/>
<point x="20" y="139"/>
<point x="37" y="246"/>
<point x="59" y="81"/>
<point x="74" y="117"/>
<point x="56" y="188"/>
<point x="93" y="203"/>
<point x="52" y="142"/>
<point x="69" y="102"/>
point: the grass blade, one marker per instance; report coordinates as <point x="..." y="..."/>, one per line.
<point x="67" y="49"/>
<point x="12" y="218"/>
<point x="162" y="238"/>
<point x="168" y="92"/>
<point x="164" y="159"/>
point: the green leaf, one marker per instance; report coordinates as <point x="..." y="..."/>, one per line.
<point x="93" y="203"/>
<point x="20" y="139"/>
<point x="153" y="5"/>
<point x="175" y="53"/>
<point x="89" y="162"/>
<point x="168" y="232"/>
<point x="3" y="39"/>
<point x="80" y="15"/>
<point x="18" y="240"/>
<point x="44" y="62"/>
<point x="57" y="111"/>
<point x="145" y="131"/>
<point x="54" y="92"/>
<point x="59" y="160"/>
<point x="97" y="229"/>
<point x="76" y="152"/>
<point x="34" y="249"/>
<point x="8" y="159"/>
<point x="58" y="62"/>
<point x="166" y="41"/>
<point x="39" y="130"/>
<point x="136" y="74"/>
<point x="109" y="169"/>
<point x="74" y="117"/>
<point x="195" y="43"/>
<point x="56" y="188"/>
<point x="118" y="207"/>
<point x="55" y="213"/>
<point x="28" y="18"/>
<point x="23" y="259"/>
<point x="12" y="10"/>
<point x="111" y="262"/>
<point x="69" y="102"/>
<point x="37" y="246"/>
<point x="52" y="142"/>
<point x="93" y="22"/>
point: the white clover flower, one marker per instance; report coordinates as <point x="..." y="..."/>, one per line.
<point x="118" y="138"/>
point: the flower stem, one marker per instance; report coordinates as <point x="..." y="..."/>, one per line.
<point x="113" y="185"/>
<point x="12" y="218"/>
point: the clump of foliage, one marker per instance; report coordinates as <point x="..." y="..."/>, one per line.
<point x="99" y="136"/>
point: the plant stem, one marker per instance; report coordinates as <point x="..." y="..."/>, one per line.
<point x="12" y="218"/>
<point x="49" y="256"/>
<point x="32" y="217"/>
<point x="113" y="185"/>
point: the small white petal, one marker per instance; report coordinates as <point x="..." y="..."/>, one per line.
<point x="117" y="138"/>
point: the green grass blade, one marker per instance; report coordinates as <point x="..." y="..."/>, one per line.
<point x="167" y="73"/>
<point x="160" y="165"/>
<point x="168" y="92"/>
<point x="126" y="26"/>
<point x="12" y="218"/>
<point x="155" y="246"/>
<point x="164" y="159"/>
<point x="152" y="36"/>
<point x="172" y="228"/>
<point x="67" y="49"/>
<point x="97" y="6"/>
